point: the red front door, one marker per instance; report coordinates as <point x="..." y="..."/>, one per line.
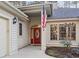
<point x="36" y="36"/>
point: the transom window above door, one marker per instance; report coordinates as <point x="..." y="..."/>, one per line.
<point x="66" y="31"/>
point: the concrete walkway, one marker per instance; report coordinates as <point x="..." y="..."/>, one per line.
<point x="30" y="52"/>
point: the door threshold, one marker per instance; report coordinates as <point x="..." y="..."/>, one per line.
<point x="36" y="44"/>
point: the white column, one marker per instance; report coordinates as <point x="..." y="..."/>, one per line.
<point x="77" y="32"/>
<point x="57" y="31"/>
<point x="43" y="39"/>
<point x="76" y="42"/>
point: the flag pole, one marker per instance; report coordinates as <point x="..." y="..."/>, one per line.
<point x="43" y="25"/>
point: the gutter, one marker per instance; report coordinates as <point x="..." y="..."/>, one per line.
<point x="35" y="5"/>
<point x="63" y="19"/>
<point x="13" y="9"/>
<point x="29" y="8"/>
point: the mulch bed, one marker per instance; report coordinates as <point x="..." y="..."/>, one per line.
<point x="61" y="52"/>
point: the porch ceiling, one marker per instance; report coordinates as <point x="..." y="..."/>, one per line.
<point x="35" y="10"/>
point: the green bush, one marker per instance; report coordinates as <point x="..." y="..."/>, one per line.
<point x="66" y="43"/>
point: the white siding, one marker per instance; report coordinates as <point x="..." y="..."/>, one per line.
<point x="23" y="39"/>
<point x="12" y="31"/>
<point x="14" y="37"/>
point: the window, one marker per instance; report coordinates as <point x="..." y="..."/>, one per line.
<point x="62" y="31"/>
<point x="20" y="29"/>
<point x="67" y="31"/>
<point x="53" y="29"/>
<point x="72" y="31"/>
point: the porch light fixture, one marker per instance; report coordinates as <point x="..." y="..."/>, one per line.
<point x="14" y="20"/>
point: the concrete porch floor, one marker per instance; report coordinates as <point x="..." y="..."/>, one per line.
<point x="30" y="52"/>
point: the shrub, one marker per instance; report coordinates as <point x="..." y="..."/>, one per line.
<point x="66" y="43"/>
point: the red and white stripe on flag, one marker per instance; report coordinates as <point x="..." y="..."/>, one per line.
<point x="43" y="17"/>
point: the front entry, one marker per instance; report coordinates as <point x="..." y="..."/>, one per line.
<point x="35" y="36"/>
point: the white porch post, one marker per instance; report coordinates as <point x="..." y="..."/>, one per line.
<point x="43" y="39"/>
<point x="77" y="32"/>
<point x="43" y="29"/>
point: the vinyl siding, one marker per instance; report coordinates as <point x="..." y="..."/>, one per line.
<point x="24" y="38"/>
<point x="12" y="31"/>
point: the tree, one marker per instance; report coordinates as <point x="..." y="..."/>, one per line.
<point x="75" y="3"/>
<point x="67" y="4"/>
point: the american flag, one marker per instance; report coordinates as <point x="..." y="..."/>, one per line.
<point x="43" y="17"/>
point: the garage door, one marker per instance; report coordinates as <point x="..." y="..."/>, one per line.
<point x="3" y="37"/>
